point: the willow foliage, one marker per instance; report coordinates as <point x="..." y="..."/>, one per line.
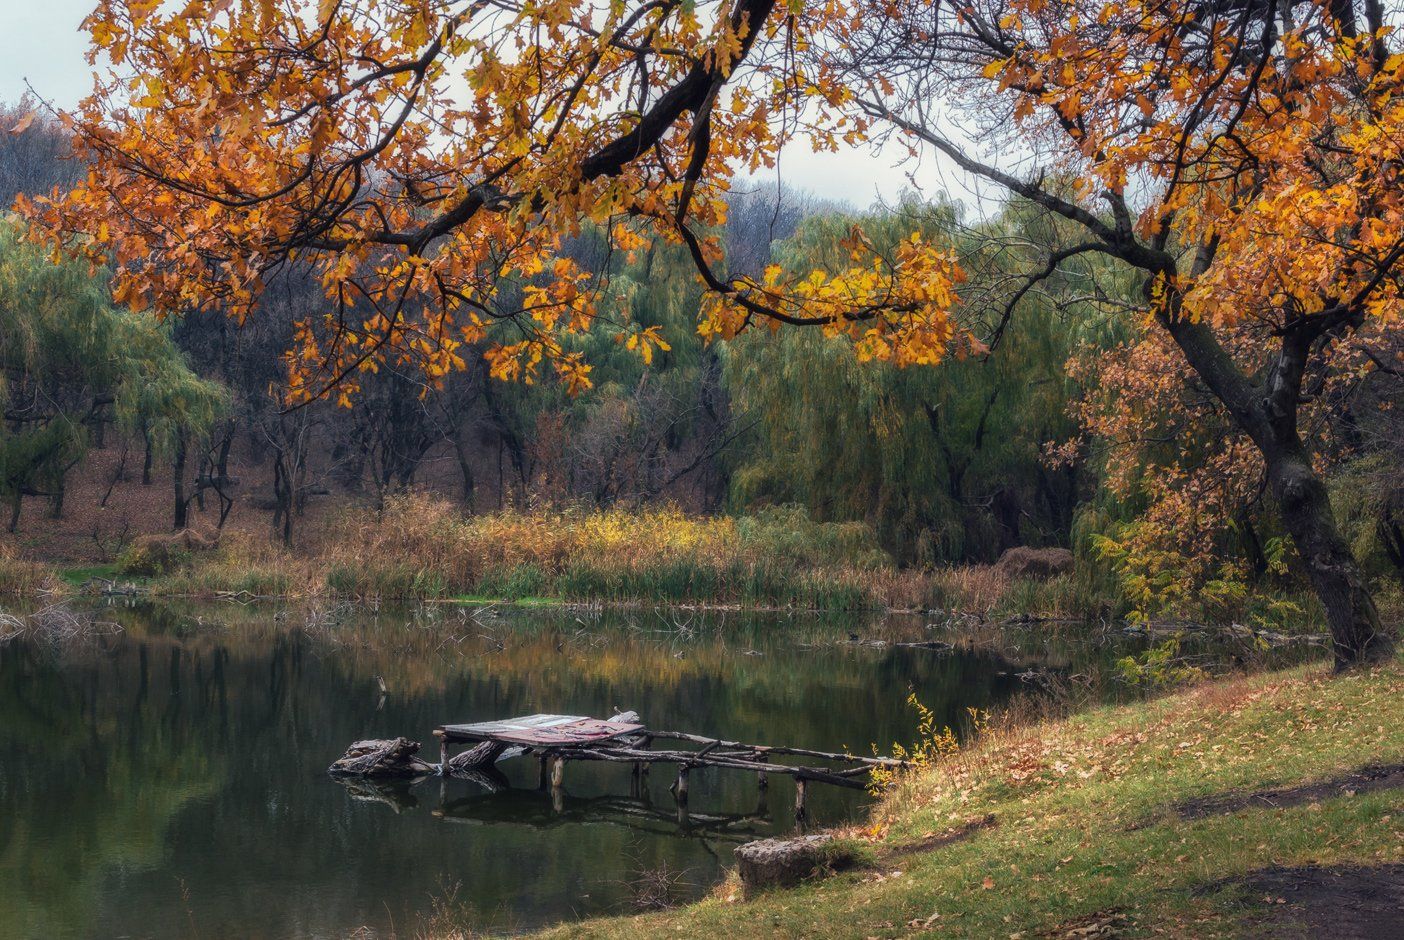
<point x="67" y="355"/>
<point x="948" y="461"/>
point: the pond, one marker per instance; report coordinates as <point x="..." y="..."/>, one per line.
<point x="164" y="776"/>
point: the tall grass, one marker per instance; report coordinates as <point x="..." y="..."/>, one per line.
<point x="243" y="564"/>
<point x="21" y="576"/>
<point x="419" y="546"/>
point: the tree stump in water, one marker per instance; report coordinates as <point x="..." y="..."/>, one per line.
<point x="392" y="757"/>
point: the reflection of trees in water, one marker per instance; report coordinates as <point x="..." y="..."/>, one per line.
<point x="705" y="671"/>
<point x="93" y="771"/>
<point x="237" y="711"/>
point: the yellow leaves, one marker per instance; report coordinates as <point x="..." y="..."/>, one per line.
<point x="893" y="309"/>
<point x="23" y="123"/>
<point x="627" y="238"/>
<point x="523" y="102"/>
<point x="574" y="373"/>
<point x="645" y="341"/>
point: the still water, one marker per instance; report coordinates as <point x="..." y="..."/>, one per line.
<point x="165" y="777"/>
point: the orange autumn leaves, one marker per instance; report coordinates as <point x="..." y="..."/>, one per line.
<point x="429" y="163"/>
<point x="1277" y="147"/>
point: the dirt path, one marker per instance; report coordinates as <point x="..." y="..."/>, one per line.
<point x="1343" y="903"/>
<point x="1365" y="780"/>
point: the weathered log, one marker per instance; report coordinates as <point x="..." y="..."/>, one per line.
<point x="476" y="757"/>
<point x="732" y="760"/>
<point x="631" y="717"/>
<point x="776" y="749"/>
<point x="392" y="757"/>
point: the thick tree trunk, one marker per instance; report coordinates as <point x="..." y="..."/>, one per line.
<point x="1392" y="537"/>
<point x="1356" y="632"/>
<point x="1268" y="413"/>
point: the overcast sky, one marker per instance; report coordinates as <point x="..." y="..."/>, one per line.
<point x="40" y="44"/>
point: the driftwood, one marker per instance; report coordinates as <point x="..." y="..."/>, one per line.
<point x="478" y="756"/>
<point x="393" y="757"/>
<point x="730" y="759"/>
<point x="774" y="749"/>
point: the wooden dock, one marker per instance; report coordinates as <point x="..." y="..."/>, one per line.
<point x="623" y="739"/>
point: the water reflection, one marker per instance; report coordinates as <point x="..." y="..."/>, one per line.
<point x="169" y="780"/>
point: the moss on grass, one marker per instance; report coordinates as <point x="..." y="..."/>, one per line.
<point x="77" y="577"/>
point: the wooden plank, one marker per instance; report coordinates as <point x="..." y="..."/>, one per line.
<point x="542" y="730"/>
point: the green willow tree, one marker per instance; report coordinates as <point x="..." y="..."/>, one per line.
<point x="69" y="361"/>
<point x="949" y="464"/>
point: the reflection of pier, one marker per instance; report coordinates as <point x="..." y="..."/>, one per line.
<point x="544" y="811"/>
<point x="501" y="803"/>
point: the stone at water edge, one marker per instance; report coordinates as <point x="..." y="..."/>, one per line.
<point x="1036" y="564"/>
<point x="780" y="862"/>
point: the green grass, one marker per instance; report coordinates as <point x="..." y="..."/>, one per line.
<point x="77" y="577"/>
<point x="1084" y="820"/>
<point x="514" y="601"/>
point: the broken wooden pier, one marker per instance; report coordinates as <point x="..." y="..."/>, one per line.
<point x="558" y="739"/>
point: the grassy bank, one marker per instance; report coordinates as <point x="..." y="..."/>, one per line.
<point x="421" y="548"/>
<point x="1090" y="824"/>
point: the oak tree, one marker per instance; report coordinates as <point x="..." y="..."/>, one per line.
<point x="1240" y="157"/>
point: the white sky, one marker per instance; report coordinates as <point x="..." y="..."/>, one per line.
<point x="40" y="45"/>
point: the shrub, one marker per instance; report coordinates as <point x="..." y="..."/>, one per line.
<point x="152" y="556"/>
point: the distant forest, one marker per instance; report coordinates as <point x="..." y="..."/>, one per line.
<point x="1044" y="439"/>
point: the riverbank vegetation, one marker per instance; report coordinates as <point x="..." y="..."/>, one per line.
<point x="1187" y="815"/>
<point x="419" y="547"/>
<point x="1231" y="337"/>
<point x="780" y="471"/>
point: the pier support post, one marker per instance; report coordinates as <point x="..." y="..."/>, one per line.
<point x="443" y="755"/>
<point x="800" y="813"/>
<point x="679" y="787"/>
<point x="762" y="778"/>
<point x="557" y="771"/>
<point x="544" y="772"/>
